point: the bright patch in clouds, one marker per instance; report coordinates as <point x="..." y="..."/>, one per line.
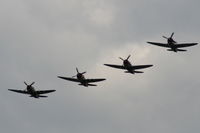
<point x="99" y="13"/>
<point x="139" y="56"/>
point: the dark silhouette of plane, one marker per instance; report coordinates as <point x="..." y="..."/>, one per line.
<point x="128" y="66"/>
<point x="173" y="45"/>
<point x="32" y="92"/>
<point x="81" y="79"/>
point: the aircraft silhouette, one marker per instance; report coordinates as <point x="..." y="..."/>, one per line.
<point x="128" y="66"/>
<point x="173" y="45"/>
<point x="81" y="79"/>
<point x="32" y="92"/>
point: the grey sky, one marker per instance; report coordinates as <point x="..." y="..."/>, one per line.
<point x="41" y="39"/>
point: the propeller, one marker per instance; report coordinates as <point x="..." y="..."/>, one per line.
<point x="172" y="34"/>
<point x="121" y="58"/>
<point x="165" y="37"/>
<point x="128" y="57"/>
<point x="169" y="37"/>
<point x="30" y="84"/>
<point x="78" y="72"/>
<point x="124" y="59"/>
<point x="25" y="83"/>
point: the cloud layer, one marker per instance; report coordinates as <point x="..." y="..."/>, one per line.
<point x="43" y="39"/>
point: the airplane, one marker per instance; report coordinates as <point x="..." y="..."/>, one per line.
<point x="173" y="45"/>
<point x="32" y="92"/>
<point x="81" y="79"/>
<point x="128" y="66"/>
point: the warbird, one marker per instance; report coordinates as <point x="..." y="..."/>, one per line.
<point x="30" y="90"/>
<point x="128" y="66"/>
<point x="81" y="79"/>
<point x="173" y="45"/>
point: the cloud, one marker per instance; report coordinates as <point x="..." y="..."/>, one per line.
<point x="43" y="39"/>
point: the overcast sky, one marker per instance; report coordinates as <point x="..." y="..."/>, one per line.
<point x="41" y="39"/>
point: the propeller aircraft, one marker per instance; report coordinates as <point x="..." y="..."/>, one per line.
<point x="81" y="79"/>
<point x="32" y="92"/>
<point x="173" y="45"/>
<point x="128" y="66"/>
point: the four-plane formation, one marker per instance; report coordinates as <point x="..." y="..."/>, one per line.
<point x="127" y="66"/>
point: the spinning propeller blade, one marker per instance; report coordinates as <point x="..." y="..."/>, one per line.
<point x="172" y="34"/>
<point x="78" y="73"/>
<point x="121" y="58"/>
<point x="169" y="37"/>
<point x="83" y="72"/>
<point x="165" y="37"/>
<point x="125" y="59"/>
<point x="77" y="70"/>
<point x="25" y="83"/>
<point x="128" y="57"/>
<point x="32" y="83"/>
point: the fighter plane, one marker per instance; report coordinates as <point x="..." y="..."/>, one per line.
<point x="81" y="79"/>
<point x="173" y="45"/>
<point x="32" y="92"/>
<point x="128" y="66"/>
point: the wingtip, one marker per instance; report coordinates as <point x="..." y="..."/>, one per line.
<point x="149" y="42"/>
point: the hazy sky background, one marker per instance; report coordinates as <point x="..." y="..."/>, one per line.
<point x="41" y="39"/>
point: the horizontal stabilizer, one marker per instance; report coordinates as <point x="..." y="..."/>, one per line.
<point x="181" y="50"/>
<point x="138" y="72"/>
<point x="170" y="50"/>
<point x="88" y="85"/>
<point x="43" y="96"/>
<point x="92" y="85"/>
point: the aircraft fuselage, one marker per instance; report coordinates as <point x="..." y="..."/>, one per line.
<point x="32" y="92"/>
<point x="171" y="43"/>
<point x="82" y="80"/>
<point x="128" y="66"/>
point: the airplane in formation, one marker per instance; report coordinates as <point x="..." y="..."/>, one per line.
<point x="81" y="79"/>
<point x="30" y="90"/>
<point x="173" y="45"/>
<point x="128" y="66"/>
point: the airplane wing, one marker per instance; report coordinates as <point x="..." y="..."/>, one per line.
<point x="70" y="79"/>
<point x="141" y="66"/>
<point x="94" y="80"/>
<point x="159" y="44"/>
<point x="115" y="66"/>
<point x="45" y="91"/>
<point x="181" y="45"/>
<point x="19" y="91"/>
